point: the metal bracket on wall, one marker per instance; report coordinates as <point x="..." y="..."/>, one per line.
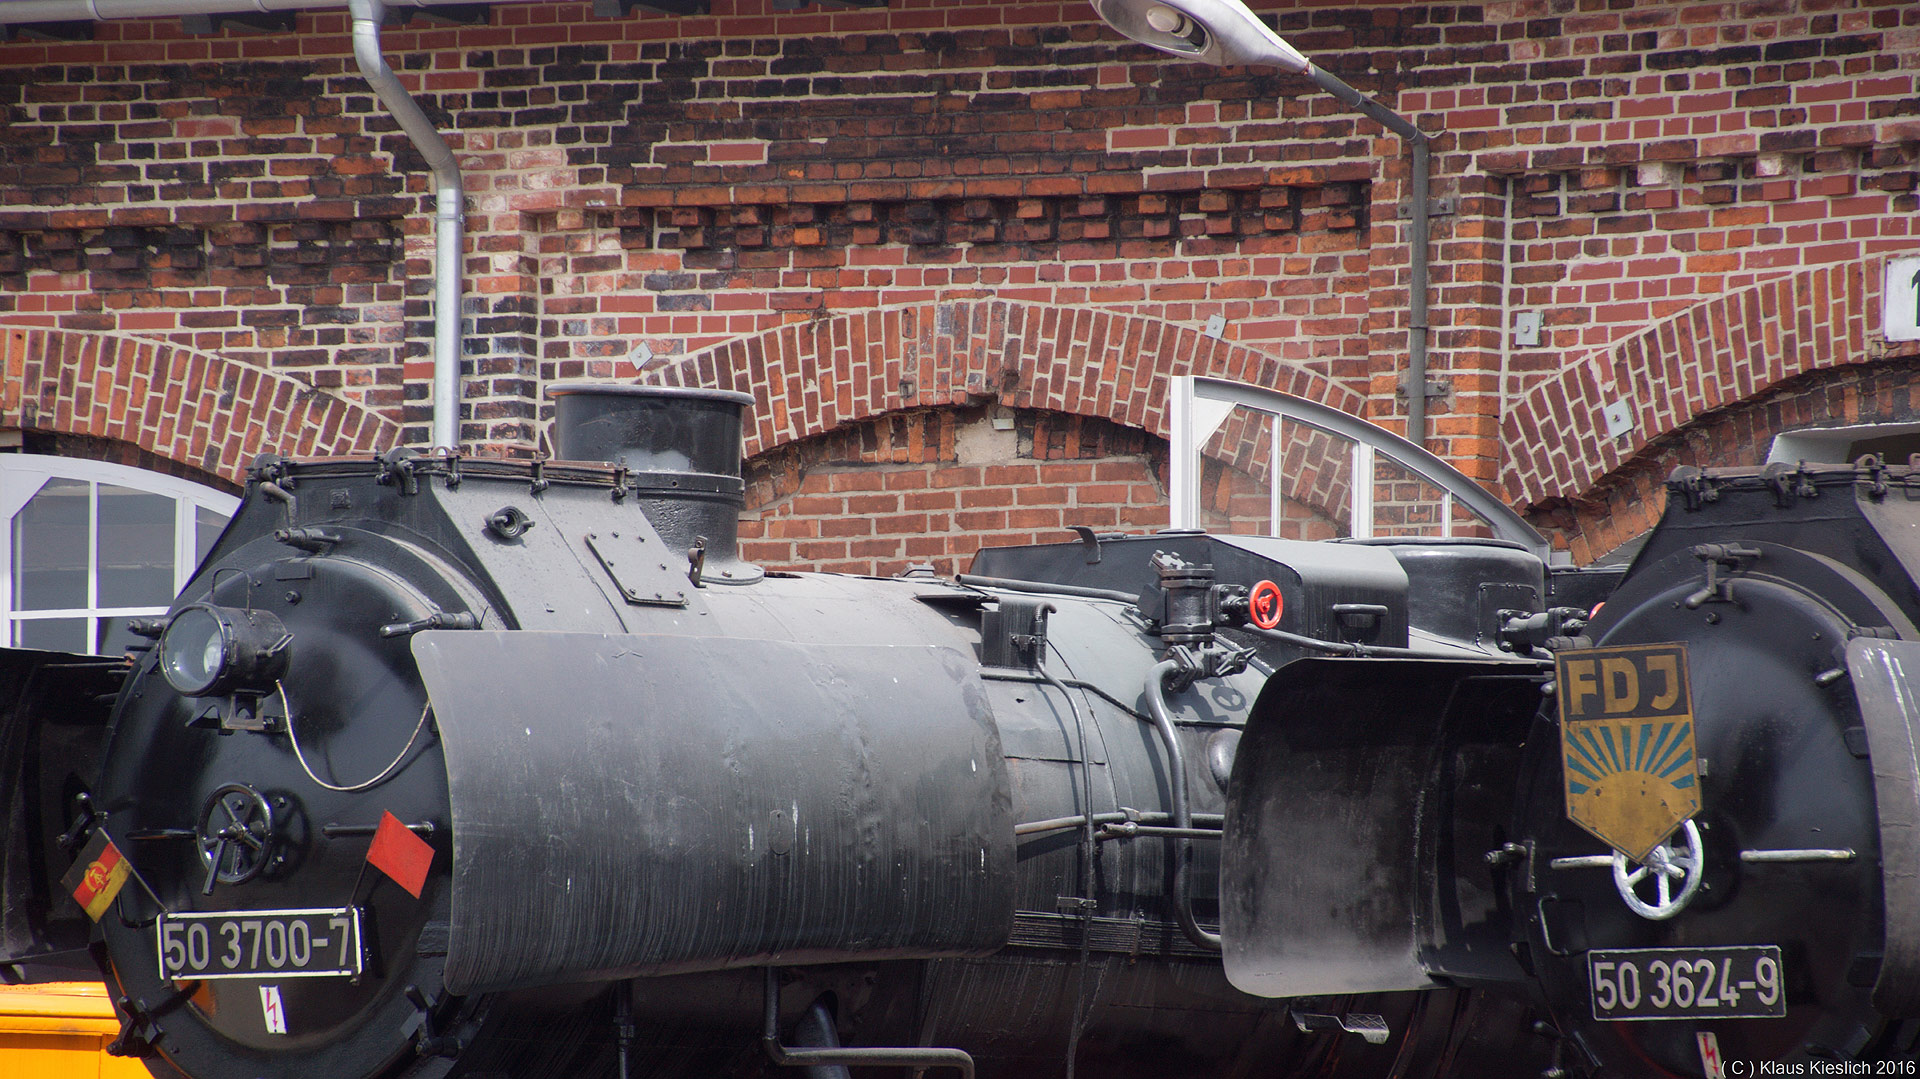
<point x="1439" y="206"/>
<point x="1436" y="387"/>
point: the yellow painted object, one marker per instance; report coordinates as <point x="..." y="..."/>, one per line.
<point x="60" y="1031"/>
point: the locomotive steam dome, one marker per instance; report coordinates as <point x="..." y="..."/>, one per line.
<point x="681" y="447"/>
<point x="651" y="429"/>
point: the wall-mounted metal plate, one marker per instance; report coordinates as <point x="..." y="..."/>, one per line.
<point x="1619" y="418"/>
<point x="1900" y="310"/>
<point x="1526" y="328"/>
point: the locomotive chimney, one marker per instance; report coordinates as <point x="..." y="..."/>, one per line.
<point x="681" y="447"/>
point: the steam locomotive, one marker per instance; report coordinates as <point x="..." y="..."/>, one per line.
<point x="1776" y="924"/>
<point x="443" y="766"/>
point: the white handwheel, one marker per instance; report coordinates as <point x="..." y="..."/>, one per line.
<point x="1675" y="871"/>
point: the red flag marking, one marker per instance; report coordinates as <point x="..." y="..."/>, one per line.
<point x="400" y="854"/>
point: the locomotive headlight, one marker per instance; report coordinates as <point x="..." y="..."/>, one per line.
<point x="210" y="651"/>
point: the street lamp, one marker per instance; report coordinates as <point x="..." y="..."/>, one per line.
<point x="1225" y="32"/>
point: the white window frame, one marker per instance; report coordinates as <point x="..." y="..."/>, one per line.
<point x="22" y="475"/>
<point x="1197" y="406"/>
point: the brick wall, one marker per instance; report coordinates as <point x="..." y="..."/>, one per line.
<point x="829" y="207"/>
<point x="1631" y="500"/>
<point x="932" y="487"/>
<point x="196" y="408"/>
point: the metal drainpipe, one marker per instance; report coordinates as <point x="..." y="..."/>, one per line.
<point x="1417" y="327"/>
<point x="1417" y="239"/>
<point x="448" y="222"/>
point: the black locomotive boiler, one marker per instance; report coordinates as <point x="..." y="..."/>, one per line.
<point x="1712" y="866"/>
<point x="1780" y="922"/>
<point x="445" y="766"/>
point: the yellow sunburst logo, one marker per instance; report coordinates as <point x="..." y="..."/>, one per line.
<point x="1627" y="743"/>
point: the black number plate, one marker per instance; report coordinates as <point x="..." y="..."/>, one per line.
<point x="321" y="943"/>
<point x="1687" y="983"/>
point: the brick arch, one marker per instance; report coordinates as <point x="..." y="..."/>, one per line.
<point x="1709" y="357"/>
<point x="183" y="404"/>
<point x="810" y="378"/>
<point x="1630" y="500"/>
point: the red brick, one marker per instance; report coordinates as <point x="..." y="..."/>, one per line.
<point x="931" y="500"/>
<point x="794" y="271"/>
<point x="841" y="527"/>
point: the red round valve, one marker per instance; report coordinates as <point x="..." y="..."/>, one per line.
<point x="1265" y="604"/>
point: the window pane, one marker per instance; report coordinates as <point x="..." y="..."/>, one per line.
<point x="53" y="634"/>
<point x="207" y="526"/>
<point x="1404" y="503"/>
<point x="1470" y="524"/>
<point x="50" y="549"/>
<point x="1246" y="472"/>
<point x="136" y="547"/>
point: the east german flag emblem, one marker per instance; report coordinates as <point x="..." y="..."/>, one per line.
<point x="98" y="876"/>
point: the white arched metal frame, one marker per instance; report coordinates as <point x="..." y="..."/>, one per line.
<point x="22" y="476"/>
<point x="1197" y="406"/>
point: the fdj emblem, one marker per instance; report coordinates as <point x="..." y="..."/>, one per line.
<point x="1626" y="738"/>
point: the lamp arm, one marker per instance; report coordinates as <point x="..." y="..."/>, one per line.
<point x="1373" y="110"/>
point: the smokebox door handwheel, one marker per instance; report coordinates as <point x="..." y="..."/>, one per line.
<point x="235" y="834"/>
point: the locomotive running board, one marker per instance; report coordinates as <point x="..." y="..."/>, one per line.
<point x="1884" y="673"/>
<point x="53" y="715"/>
<point x="1355" y="849"/>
